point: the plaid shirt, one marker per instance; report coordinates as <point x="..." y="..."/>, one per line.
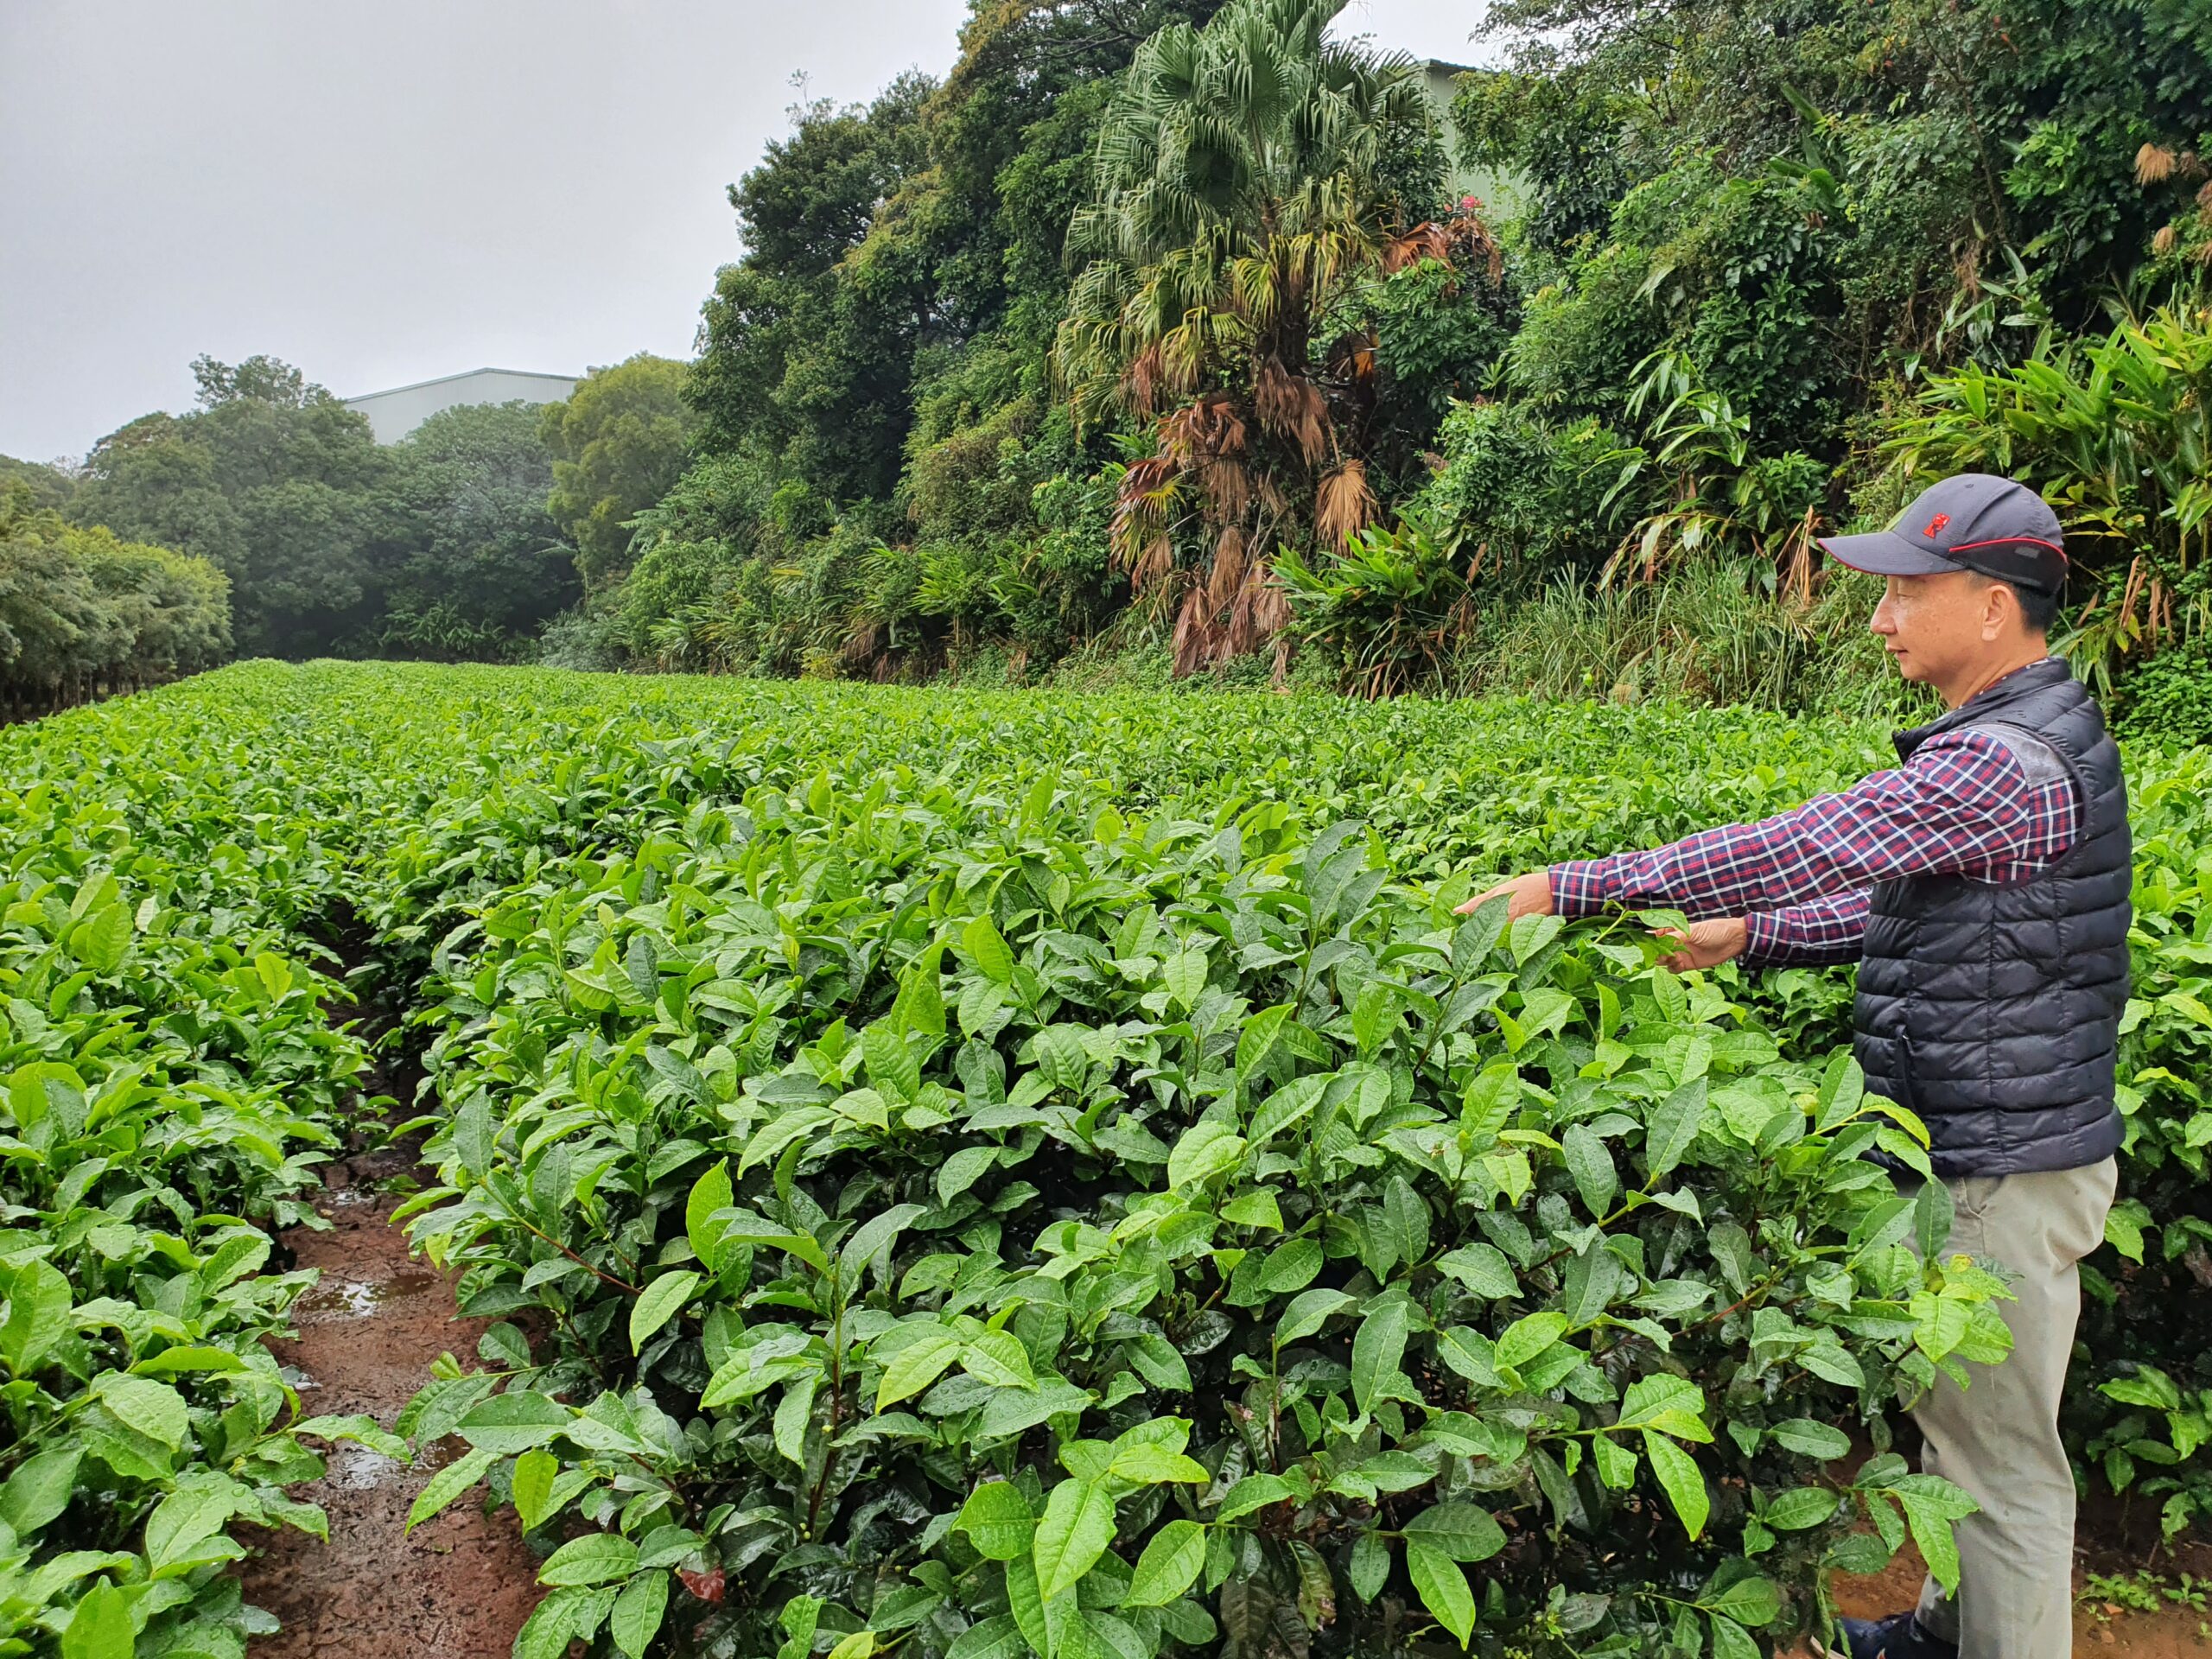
<point x="1965" y="804"/>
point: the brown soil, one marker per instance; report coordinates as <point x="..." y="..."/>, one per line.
<point x="459" y="1586"/>
<point x="2173" y="1632"/>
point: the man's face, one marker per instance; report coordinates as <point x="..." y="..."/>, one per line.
<point x="1934" y="626"/>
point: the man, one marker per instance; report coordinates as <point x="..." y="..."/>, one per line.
<point x="1983" y="888"/>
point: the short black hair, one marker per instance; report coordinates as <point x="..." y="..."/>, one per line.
<point x="2038" y="605"/>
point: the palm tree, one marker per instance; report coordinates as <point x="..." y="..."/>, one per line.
<point x="1239" y="199"/>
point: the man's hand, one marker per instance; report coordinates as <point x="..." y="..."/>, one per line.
<point x="1525" y="896"/>
<point x="1707" y="944"/>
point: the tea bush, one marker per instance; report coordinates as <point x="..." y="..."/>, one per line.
<point x="952" y="1188"/>
<point x="984" y="1173"/>
<point x="168" y="1080"/>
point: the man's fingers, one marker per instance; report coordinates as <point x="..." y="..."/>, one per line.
<point x="1704" y="944"/>
<point x="1524" y="895"/>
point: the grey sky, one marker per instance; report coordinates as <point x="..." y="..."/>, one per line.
<point x="380" y="193"/>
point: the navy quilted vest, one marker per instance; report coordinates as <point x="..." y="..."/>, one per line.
<point x="1993" y="1011"/>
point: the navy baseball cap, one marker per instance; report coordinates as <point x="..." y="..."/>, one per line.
<point x="1996" y="526"/>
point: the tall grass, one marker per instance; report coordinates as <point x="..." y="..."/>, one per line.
<point x="1701" y="635"/>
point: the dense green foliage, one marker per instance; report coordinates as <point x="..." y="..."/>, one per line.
<point x="48" y="485"/>
<point x="1164" y="327"/>
<point x="1017" y="357"/>
<point x="2119" y="430"/>
<point x="81" y="611"/>
<point x="169" y="1077"/>
<point x="274" y="482"/>
<point x="960" y="1111"/>
<point x="618" y="442"/>
<point x="481" y="565"/>
<point x="1007" y="1171"/>
<point x="440" y="545"/>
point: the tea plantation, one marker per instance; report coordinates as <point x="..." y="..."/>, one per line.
<point x="980" y="1174"/>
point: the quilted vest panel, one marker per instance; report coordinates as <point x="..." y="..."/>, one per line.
<point x="1992" y="1010"/>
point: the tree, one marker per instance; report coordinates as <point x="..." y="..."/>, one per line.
<point x="617" y="444"/>
<point x="275" y="482"/>
<point x="1242" y="194"/>
<point x="80" y="606"/>
<point x="485" y="566"/>
<point x="806" y="351"/>
<point x="48" y="485"/>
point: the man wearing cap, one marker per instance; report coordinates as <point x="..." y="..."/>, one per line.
<point x="1982" y="887"/>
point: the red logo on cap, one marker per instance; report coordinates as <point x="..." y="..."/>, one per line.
<point x="1935" y="525"/>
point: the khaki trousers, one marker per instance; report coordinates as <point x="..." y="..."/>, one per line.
<point x="1998" y="1437"/>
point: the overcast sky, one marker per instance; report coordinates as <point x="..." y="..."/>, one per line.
<point x="381" y="193"/>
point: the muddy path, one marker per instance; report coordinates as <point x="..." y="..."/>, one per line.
<point x="460" y="1586"/>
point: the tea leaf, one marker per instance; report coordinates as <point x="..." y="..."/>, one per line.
<point x="1442" y="1587"/>
<point x="1170" y="1565"/>
<point x="661" y="1301"/>
<point x="1077" y="1527"/>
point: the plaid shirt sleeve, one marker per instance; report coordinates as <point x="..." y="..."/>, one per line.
<point x="1827" y="930"/>
<point x="1964" y="804"/>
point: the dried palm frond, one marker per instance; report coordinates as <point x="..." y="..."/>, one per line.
<point x="1228" y="486"/>
<point x="1473" y="242"/>
<point x="1424" y="241"/>
<point x="1291" y="407"/>
<point x="2136" y="574"/>
<point x="2154" y="164"/>
<point x="1228" y="572"/>
<point x="1257" y="612"/>
<point x="1212" y="427"/>
<point x="1153" y="564"/>
<point x="1796" y="557"/>
<point x="1140" y="383"/>
<point x="1353" y="355"/>
<point x="1344" y="505"/>
<point x="2164" y="241"/>
<point x="1196" y="636"/>
<point x="864" y="644"/>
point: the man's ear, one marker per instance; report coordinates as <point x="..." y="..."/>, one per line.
<point x="2000" y="609"/>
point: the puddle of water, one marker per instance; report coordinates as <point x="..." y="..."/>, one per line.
<point x="357" y="1298"/>
<point x="356" y="1468"/>
<point x="439" y="1454"/>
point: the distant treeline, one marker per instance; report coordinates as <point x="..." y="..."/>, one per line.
<point x="84" y="613"/>
<point x="460" y="541"/>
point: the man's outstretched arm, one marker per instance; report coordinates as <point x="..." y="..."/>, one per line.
<point x="1963" y="805"/>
